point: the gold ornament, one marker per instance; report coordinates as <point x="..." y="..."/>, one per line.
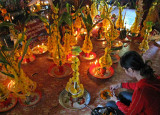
<point x="67" y="46"/>
<point x="87" y="45"/>
<point x="119" y="22"/>
<point x="105" y="60"/>
<point x="73" y="86"/>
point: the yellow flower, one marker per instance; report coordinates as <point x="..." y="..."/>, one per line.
<point x="56" y="16"/>
<point x="24" y="29"/>
<point x="20" y="36"/>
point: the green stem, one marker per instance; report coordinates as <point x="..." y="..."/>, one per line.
<point x="10" y="63"/>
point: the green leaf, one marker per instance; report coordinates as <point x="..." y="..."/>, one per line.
<point x="60" y="21"/>
<point x="1" y="55"/>
<point x="88" y="27"/>
<point x="8" y="74"/>
<point x="34" y="14"/>
<point x="149" y="23"/>
<point x="5" y="48"/>
<point x="103" y="16"/>
<point x="89" y="19"/>
<point x="57" y="6"/>
<point x="76" y="49"/>
<point x="83" y="18"/>
<point x="43" y="19"/>
<point x="27" y="20"/>
<point x="4" y="61"/>
<point x="68" y="6"/>
<point x="19" y="41"/>
<point x="78" y="11"/>
<point x="66" y="17"/>
<point x="24" y="52"/>
<point x="6" y="24"/>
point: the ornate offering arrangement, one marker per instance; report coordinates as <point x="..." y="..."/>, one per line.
<point x="76" y="43"/>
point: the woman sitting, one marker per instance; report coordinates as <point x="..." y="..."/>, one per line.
<point x="146" y="96"/>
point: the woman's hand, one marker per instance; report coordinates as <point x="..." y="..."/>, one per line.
<point x="114" y="98"/>
<point x="115" y="86"/>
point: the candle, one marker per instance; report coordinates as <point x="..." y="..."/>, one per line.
<point x="42" y="44"/>
<point x="94" y="21"/>
<point x="73" y="56"/>
<point x="103" y="42"/>
<point x="42" y="2"/>
<point x="46" y="2"/>
<point x="38" y="46"/>
<point x="126" y="39"/>
<point x="12" y="18"/>
<point x="95" y="62"/>
<point x="96" y="27"/>
<point x="38" y="2"/>
<point x="75" y="34"/>
<point x="87" y="6"/>
<point x="76" y="38"/>
<point x="82" y="30"/>
<point x="47" y="16"/>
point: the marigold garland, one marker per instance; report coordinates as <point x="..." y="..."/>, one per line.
<point x="105" y="94"/>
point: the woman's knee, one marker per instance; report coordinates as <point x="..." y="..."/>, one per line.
<point x="111" y="104"/>
<point x="125" y="95"/>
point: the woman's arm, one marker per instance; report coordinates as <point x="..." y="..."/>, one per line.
<point x="129" y="85"/>
<point x="136" y="106"/>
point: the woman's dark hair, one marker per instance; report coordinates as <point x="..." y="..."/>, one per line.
<point x="133" y="60"/>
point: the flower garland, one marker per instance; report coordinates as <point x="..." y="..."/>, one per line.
<point x="144" y="44"/>
<point x="87" y="45"/>
<point x="105" y="60"/>
<point x="94" y="10"/>
<point x="151" y="16"/>
<point x="135" y="28"/>
<point x="74" y="86"/>
<point x="119" y="22"/>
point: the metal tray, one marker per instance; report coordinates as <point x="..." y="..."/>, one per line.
<point x="64" y="95"/>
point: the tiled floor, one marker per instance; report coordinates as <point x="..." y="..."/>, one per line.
<point x="51" y="87"/>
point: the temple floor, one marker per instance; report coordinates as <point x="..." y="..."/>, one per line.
<point x="51" y="87"/>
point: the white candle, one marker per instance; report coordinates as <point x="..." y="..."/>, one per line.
<point x="38" y="46"/>
<point x="103" y="42"/>
<point x="73" y="56"/>
<point x="47" y="16"/>
<point x="12" y="18"/>
<point x="85" y="32"/>
<point x="87" y="6"/>
<point x="96" y="27"/>
<point x="95" y="62"/>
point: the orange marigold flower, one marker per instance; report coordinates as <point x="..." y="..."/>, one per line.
<point x="105" y="94"/>
<point x="6" y="18"/>
<point x="4" y="11"/>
